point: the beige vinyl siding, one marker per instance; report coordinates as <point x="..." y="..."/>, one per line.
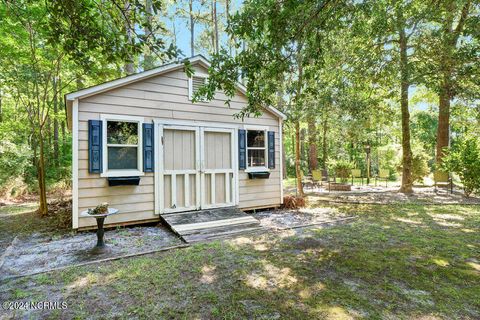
<point x="163" y="97"/>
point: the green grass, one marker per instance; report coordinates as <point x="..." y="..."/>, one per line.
<point x="394" y="261"/>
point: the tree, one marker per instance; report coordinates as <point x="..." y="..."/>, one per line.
<point x="282" y="40"/>
<point x="450" y="60"/>
<point x="390" y="30"/>
<point x="407" y="164"/>
<point x="45" y="41"/>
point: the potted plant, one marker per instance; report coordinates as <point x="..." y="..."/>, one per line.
<point x="100" y="209"/>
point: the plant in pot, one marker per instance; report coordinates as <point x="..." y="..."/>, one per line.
<point x="341" y="168"/>
<point x="100" y="209"/>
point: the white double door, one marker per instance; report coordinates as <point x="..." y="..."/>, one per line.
<point x="196" y="168"/>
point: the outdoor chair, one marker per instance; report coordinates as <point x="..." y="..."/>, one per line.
<point x="317" y="178"/>
<point x="306" y="181"/>
<point x="357" y="173"/>
<point x="443" y="179"/>
<point x="383" y="174"/>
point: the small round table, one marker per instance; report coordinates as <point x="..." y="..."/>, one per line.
<point x="100" y="231"/>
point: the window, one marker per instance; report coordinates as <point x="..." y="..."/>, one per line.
<point x="123" y="143"/>
<point x="194" y="83"/>
<point x="256" y="149"/>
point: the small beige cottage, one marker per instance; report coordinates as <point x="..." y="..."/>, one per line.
<point x="141" y="145"/>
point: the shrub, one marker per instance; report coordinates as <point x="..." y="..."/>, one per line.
<point x="420" y="166"/>
<point x="388" y="158"/>
<point x="340" y="168"/>
<point x="464" y="160"/>
<point x="14" y="164"/>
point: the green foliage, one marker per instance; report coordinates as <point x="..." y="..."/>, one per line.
<point x="14" y="162"/>
<point x="420" y="167"/>
<point x="388" y="158"/>
<point x="340" y="168"/>
<point x="464" y="159"/>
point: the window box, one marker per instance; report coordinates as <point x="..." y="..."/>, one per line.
<point x="259" y="175"/>
<point x="123" y="181"/>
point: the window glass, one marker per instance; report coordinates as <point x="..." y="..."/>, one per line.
<point x="122" y="158"/>
<point x="256" y="138"/>
<point x="120" y="132"/>
<point x="256" y="158"/>
<point x="122" y="145"/>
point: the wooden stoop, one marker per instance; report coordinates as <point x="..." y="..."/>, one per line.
<point x="209" y="224"/>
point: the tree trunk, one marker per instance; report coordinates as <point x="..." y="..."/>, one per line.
<point x="443" y="130"/>
<point x="148" y="57"/>
<point x="447" y="65"/>
<point x="55" y="122"/>
<point x="284" y="155"/>
<point x="298" y="169"/>
<point x="129" y="67"/>
<point x="324" y="142"/>
<point x="212" y="35"/>
<point x="79" y="81"/>
<point x="192" y="28"/>
<point x="407" y="182"/>
<point x="312" y="144"/>
<point x="227" y="18"/>
<point x="42" y="189"/>
<point x="215" y="20"/>
<point x="64" y="135"/>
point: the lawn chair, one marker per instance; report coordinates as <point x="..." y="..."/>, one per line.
<point x="317" y="178"/>
<point x="383" y="174"/>
<point x="357" y="173"/>
<point x="306" y="181"/>
<point x="443" y="179"/>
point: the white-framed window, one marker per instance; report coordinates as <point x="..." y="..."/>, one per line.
<point x="194" y="83"/>
<point x="257" y="144"/>
<point x="122" y="146"/>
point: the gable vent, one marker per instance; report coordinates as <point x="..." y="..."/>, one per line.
<point x="197" y="82"/>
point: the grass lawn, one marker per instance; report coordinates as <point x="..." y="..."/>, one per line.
<point x="407" y="262"/>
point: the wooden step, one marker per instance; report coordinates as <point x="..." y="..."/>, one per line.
<point x="209" y="224"/>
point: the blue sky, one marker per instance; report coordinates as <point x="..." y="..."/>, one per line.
<point x="181" y="23"/>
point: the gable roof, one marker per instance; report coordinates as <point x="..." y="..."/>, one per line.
<point x="198" y="59"/>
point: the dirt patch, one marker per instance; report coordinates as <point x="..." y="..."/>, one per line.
<point x="281" y="219"/>
<point x="39" y="252"/>
<point x="378" y="195"/>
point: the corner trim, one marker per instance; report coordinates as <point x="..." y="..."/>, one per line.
<point x="75" y="164"/>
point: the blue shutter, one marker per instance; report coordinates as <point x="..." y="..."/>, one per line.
<point x="148" y="149"/>
<point x="95" y="159"/>
<point x="242" y="150"/>
<point x="271" y="150"/>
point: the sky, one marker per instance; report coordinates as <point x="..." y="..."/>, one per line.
<point x="181" y="22"/>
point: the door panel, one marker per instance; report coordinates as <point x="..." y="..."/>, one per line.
<point x="180" y="168"/>
<point x="197" y="169"/>
<point x="217" y="150"/>
<point x="217" y="167"/>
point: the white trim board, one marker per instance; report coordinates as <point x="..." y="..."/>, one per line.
<point x="232" y="186"/>
<point x="122" y="173"/>
<point x="75" y="165"/>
